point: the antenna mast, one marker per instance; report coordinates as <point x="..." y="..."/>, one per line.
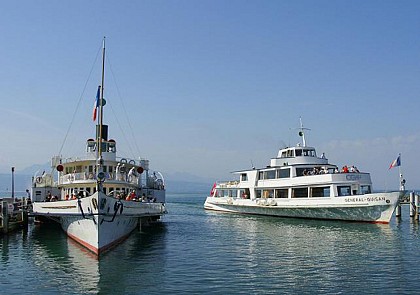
<point x="301" y="132"/>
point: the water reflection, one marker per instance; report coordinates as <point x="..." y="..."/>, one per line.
<point x="200" y="252"/>
<point x="317" y="254"/>
<point x="71" y="269"/>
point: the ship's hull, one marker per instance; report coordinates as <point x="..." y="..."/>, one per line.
<point x="98" y="222"/>
<point x="377" y="208"/>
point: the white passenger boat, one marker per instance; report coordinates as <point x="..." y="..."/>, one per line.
<point x="99" y="199"/>
<point x="297" y="183"/>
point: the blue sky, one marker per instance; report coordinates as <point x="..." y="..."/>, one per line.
<point x="211" y="86"/>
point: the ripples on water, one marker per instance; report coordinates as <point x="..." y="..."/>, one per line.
<point x="200" y="252"/>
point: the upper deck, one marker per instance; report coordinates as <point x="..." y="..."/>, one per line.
<point x="298" y="155"/>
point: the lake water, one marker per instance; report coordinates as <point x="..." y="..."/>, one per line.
<point x="200" y="252"/>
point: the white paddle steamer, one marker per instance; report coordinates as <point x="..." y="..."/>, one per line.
<point x="99" y="199"/>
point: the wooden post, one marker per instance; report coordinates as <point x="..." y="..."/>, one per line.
<point x="412" y="205"/>
<point x="398" y="211"/>
<point x="416" y="204"/>
<point x="5" y="216"/>
<point x="402" y="189"/>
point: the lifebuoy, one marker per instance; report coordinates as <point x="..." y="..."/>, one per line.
<point x="39" y="179"/>
<point x="90" y="175"/>
<point x="132" y="162"/>
<point x="123" y="160"/>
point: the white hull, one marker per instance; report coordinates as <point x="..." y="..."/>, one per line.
<point x="98" y="227"/>
<point x="376" y="208"/>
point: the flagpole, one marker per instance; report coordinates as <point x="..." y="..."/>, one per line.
<point x="100" y="176"/>
<point x="101" y="101"/>
<point x="402" y="181"/>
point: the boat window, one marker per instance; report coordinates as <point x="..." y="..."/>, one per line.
<point x="318" y="192"/>
<point x="283" y="154"/>
<point x="258" y="193"/>
<point x="344" y="190"/>
<point x="298" y="153"/>
<point x="365" y="189"/>
<point x="260" y="175"/>
<point x="244" y="193"/>
<point x="110" y="169"/>
<point x="282" y="193"/>
<point x="244" y="177"/>
<point x="233" y="193"/>
<point x="309" y="153"/>
<point x="226" y="193"/>
<point x="104" y="169"/>
<point x="299" y="171"/>
<point x="270" y="174"/>
<point x="268" y="193"/>
<point x="300" y="192"/>
<point x="283" y="173"/>
<point x="290" y="153"/>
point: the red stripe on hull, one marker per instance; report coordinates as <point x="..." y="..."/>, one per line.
<point x="101" y="250"/>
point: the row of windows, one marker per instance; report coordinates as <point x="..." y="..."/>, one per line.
<point x="298" y="153"/>
<point x="233" y="193"/>
<point x="314" y="192"/>
<point x="301" y="192"/>
<point x="92" y="190"/>
<point x="89" y="169"/>
<point x="274" y="174"/>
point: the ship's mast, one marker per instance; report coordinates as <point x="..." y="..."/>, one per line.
<point x="301" y="131"/>
<point x="101" y="102"/>
<point x="100" y="174"/>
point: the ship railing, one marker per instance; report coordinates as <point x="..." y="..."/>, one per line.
<point x="226" y="184"/>
<point x="83" y="176"/>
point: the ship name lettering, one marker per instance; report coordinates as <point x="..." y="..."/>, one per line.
<point x="365" y="199"/>
<point x="353" y="177"/>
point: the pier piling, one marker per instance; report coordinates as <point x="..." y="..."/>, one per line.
<point x="398" y="211"/>
<point x="412" y="205"/>
<point x="5" y="217"/>
<point x="416" y="205"/>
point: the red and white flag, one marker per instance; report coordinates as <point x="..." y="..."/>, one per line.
<point x="96" y="105"/>
<point x="396" y="162"/>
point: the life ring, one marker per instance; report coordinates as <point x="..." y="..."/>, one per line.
<point x="39" y="179"/>
<point x="90" y="176"/>
<point x="132" y="162"/>
<point x="123" y="160"/>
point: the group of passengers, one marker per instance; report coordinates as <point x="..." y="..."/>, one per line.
<point x="315" y="171"/>
<point x="133" y="197"/>
<point x="324" y="170"/>
<point x="50" y="198"/>
<point x="346" y="169"/>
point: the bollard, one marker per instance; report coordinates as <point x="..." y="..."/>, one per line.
<point x="416" y="204"/>
<point x="412" y="205"/>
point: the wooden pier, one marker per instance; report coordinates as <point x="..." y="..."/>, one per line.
<point x="414" y="202"/>
<point x="13" y="215"/>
